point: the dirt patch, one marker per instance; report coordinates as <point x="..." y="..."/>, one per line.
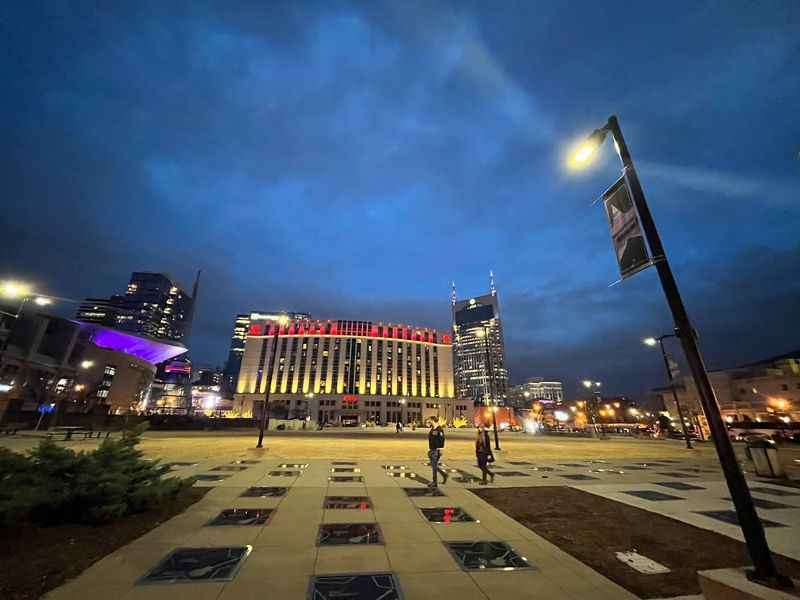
<point x="593" y="529"/>
<point x="39" y="559"/>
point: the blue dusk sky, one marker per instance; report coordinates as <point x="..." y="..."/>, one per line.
<point x="351" y="159"/>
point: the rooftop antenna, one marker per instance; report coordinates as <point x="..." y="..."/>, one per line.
<point x="452" y="293"/>
<point x="492" y="289"/>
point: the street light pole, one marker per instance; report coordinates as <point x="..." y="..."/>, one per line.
<point x="264" y="423"/>
<point x="490" y="387"/>
<point x="752" y="528"/>
<point x="660" y="340"/>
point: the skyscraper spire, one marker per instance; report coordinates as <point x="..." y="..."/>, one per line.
<point x="492" y="289"/>
<point x="453" y="293"/>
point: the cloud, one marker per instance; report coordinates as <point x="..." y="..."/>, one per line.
<point x="764" y="190"/>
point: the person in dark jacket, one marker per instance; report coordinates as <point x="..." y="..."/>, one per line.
<point x="483" y="450"/>
<point x="435" y="445"/>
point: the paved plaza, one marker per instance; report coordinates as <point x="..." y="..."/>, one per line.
<point x="282" y="527"/>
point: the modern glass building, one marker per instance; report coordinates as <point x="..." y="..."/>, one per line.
<point x="478" y="350"/>
<point x="153" y="305"/>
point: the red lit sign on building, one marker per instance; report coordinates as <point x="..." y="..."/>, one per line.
<point x="255" y="330"/>
<point x="445" y="339"/>
<point x="350" y="400"/>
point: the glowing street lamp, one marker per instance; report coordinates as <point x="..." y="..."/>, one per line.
<point x="281" y="321"/>
<point x="752" y="528"/>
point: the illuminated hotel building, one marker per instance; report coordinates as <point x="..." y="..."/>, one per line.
<point x="478" y="349"/>
<point x="241" y="327"/>
<point x="349" y="372"/>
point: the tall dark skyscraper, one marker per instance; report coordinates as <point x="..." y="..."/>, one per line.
<point x="153" y="305"/>
<point x="478" y="349"/>
<point x="241" y="328"/>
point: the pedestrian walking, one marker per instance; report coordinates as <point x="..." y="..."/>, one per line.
<point x="435" y="445"/>
<point x="483" y="450"/>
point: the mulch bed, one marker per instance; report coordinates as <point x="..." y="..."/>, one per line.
<point x="593" y="529"/>
<point x="38" y="559"/>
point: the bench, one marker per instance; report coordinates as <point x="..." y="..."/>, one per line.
<point x="76" y="432"/>
<point x="13" y="428"/>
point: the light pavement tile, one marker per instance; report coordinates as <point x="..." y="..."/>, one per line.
<point x="125" y="566"/>
<point x="406" y="533"/>
<point x="272" y="562"/>
<point x="425" y="586"/>
<point x="505" y="529"/>
<point x="167" y="591"/>
<point x="227" y="535"/>
<point x="269" y="588"/>
<point x="348" y="516"/>
<point x="407" y="514"/>
<point x="351" y="559"/>
<point x="453" y="532"/>
<point x="239" y="502"/>
<point x="520" y="585"/>
<point x="301" y="535"/>
<point x="73" y="591"/>
<point x="289" y="514"/>
<point x="421" y="557"/>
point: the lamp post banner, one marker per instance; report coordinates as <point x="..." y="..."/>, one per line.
<point x="626" y="231"/>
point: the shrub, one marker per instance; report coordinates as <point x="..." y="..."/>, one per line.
<point x="53" y="484"/>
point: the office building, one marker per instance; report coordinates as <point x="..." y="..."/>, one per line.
<point x="349" y="372"/>
<point x="241" y="327"/>
<point x="536" y="389"/>
<point x="478" y="349"/>
<point x="153" y="305"/>
<point x="765" y="390"/>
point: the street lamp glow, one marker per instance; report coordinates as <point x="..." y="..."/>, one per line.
<point x="14" y="289"/>
<point x="586" y="383"/>
<point x="42" y="301"/>
<point x="87" y="364"/>
<point x="582" y="155"/>
<point x="650" y="341"/>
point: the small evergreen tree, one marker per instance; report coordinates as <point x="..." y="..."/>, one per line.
<point x="54" y="484"/>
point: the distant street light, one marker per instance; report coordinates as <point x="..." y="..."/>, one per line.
<point x="652" y="341"/>
<point x="591" y="410"/>
<point x="483" y="332"/>
<point x="87" y="364"/>
<point x="752" y="528"/>
<point x="264" y="422"/>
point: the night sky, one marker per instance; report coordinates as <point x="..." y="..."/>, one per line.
<point x="350" y="160"/>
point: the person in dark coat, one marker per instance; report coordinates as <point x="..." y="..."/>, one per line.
<point x="435" y="445"/>
<point x="483" y="450"/>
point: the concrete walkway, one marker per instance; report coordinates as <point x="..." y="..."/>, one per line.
<point x="285" y="555"/>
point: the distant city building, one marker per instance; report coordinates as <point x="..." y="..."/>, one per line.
<point x="349" y="372"/>
<point x="241" y="327"/>
<point x="207" y="398"/>
<point x="478" y="349"/>
<point x="537" y="389"/>
<point x="766" y="390"/>
<point x="153" y="305"/>
<point x="171" y="391"/>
